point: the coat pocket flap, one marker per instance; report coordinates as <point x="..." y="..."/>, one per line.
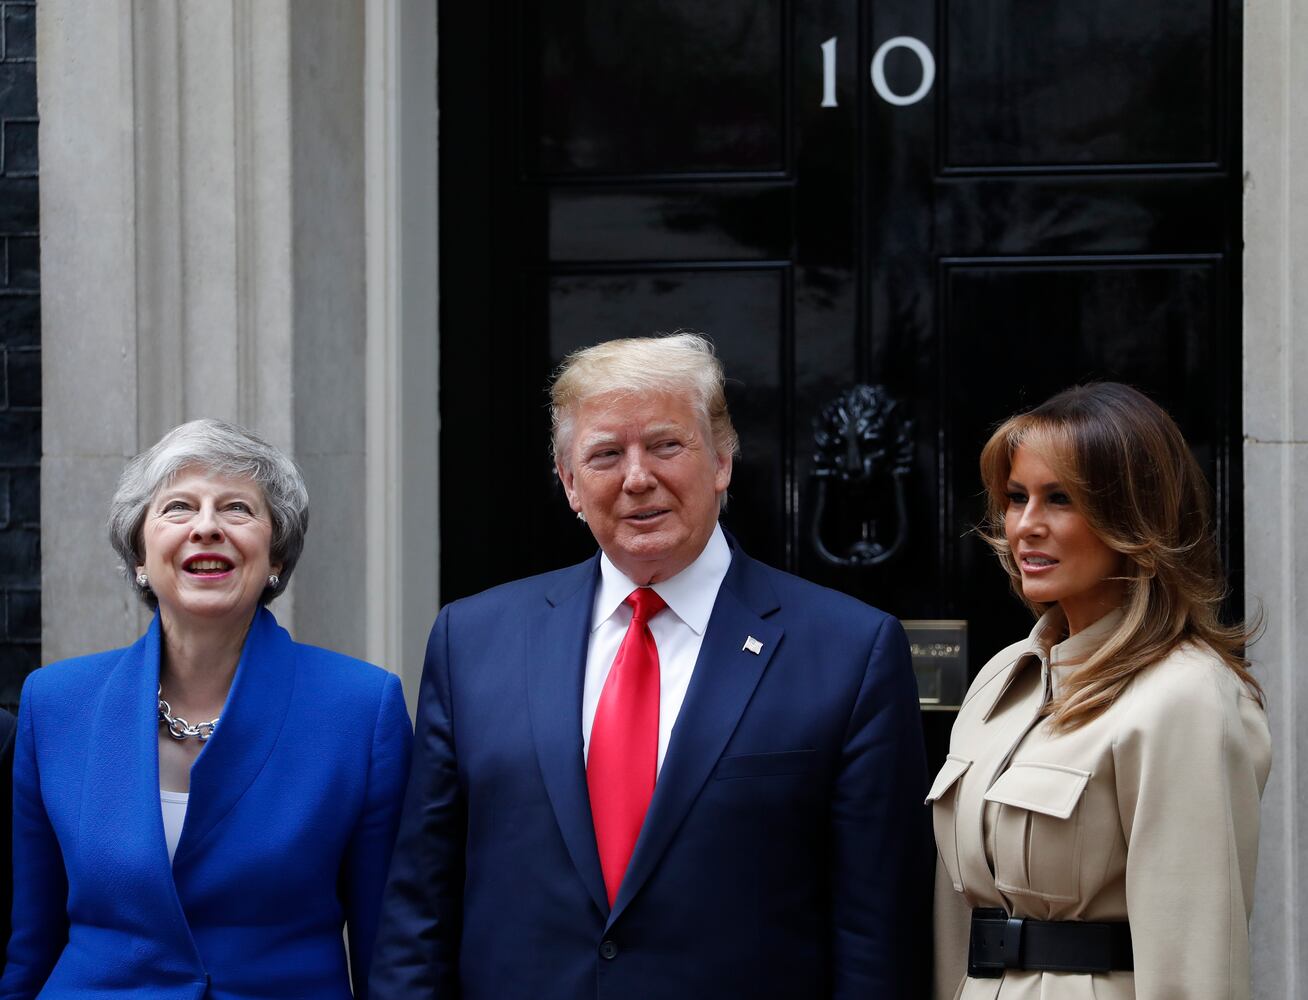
<point x="951" y="772"/>
<point x="766" y="765"/>
<point x="1052" y="789"/>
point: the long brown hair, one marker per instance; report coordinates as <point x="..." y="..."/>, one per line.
<point x="1127" y="468"/>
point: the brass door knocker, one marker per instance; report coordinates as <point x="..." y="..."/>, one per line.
<point x="862" y="445"/>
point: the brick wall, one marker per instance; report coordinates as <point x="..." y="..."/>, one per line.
<point x="20" y="354"/>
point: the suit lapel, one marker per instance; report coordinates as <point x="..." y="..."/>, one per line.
<point x="121" y="825"/>
<point x="556" y="672"/>
<point x="724" y="679"/>
<point x="251" y="723"/>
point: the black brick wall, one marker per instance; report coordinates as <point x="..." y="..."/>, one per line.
<point x="20" y="354"/>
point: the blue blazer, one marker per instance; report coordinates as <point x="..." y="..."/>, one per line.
<point x="289" y="828"/>
<point x="784" y="854"/>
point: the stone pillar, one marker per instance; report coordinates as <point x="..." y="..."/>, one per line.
<point x="402" y="362"/>
<point x="1276" y="467"/>
<point x="202" y="226"/>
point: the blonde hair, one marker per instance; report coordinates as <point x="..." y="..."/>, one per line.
<point x="1127" y="468"/>
<point x="682" y="362"/>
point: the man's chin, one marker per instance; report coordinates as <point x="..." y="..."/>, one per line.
<point x="649" y="559"/>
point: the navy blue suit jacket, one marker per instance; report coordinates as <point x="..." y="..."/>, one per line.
<point x="780" y="857"/>
<point x="292" y="815"/>
<point x="6" y="826"/>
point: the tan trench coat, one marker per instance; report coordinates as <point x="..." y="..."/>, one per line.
<point x="1149" y="814"/>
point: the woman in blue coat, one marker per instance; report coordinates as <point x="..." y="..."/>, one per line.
<point x="201" y="813"/>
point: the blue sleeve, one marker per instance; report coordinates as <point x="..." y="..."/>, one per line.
<point x="369" y="852"/>
<point x="418" y="943"/>
<point x="40" y="913"/>
<point x="880" y="845"/>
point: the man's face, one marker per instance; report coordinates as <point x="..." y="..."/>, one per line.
<point x="643" y="471"/>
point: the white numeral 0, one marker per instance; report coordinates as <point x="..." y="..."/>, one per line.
<point x="914" y="45"/>
<point x="924" y="56"/>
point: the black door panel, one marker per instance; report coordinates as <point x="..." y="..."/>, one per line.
<point x="1061" y="203"/>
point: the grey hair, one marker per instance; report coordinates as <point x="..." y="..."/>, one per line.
<point x="222" y="449"/>
<point x="680" y="362"/>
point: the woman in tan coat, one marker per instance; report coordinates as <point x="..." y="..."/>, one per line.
<point x="1097" y="816"/>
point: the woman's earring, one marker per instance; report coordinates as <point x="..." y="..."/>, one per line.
<point x="142" y="581"/>
<point x="273" y="580"/>
<point x="581" y="517"/>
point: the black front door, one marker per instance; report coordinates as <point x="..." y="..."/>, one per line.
<point x="964" y="206"/>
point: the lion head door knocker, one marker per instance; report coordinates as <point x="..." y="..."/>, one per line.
<point x="862" y="455"/>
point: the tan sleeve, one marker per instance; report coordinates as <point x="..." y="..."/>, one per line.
<point x="952" y="925"/>
<point x="1190" y="766"/>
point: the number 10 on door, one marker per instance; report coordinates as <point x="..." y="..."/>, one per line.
<point x="913" y="45"/>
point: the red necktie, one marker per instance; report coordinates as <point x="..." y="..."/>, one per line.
<point x="624" y="742"/>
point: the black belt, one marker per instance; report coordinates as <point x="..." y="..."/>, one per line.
<point x="1002" y="942"/>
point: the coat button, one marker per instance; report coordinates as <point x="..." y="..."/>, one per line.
<point x="608" y="950"/>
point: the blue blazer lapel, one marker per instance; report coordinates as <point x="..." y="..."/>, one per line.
<point x="556" y="673"/>
<point x="251" y="723"/>
<point x="723" y="681"/>
<point x="120" y="832"/>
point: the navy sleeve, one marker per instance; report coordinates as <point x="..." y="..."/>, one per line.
<point x="880" y="846"/>
<point x="418" y="941"/>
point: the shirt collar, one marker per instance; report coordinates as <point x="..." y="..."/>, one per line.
<point x="690" y="594"/>
<point x="1038" y="647"/>
<point x="1076" y="649"/>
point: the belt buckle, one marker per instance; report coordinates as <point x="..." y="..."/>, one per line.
<point x="1004" y="934"/>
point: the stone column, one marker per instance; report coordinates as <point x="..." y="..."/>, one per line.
<point x="202" y="225"/>
<point x="1276" y="467"/>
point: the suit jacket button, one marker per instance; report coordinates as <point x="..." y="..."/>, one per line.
<point x="608" y="950"/>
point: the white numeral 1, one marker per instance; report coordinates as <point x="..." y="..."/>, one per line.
<point x="829" y="73"/>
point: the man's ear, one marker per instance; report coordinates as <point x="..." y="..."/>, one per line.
<point x="566" y="478"/>
<point x="722" y="476"/>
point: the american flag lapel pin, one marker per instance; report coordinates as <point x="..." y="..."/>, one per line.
<point x="752" y="645"/>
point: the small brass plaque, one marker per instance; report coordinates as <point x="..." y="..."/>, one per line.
<point x="939" y="649"/>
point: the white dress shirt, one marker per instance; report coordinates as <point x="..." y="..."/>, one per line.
<point x="678" y="631"/>
<point x="174" y="816"/>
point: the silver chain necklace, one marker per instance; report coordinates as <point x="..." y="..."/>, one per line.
<point x="179" y="728"/>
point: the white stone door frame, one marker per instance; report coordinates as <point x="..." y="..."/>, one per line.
<point x="403" y="523"/>
<point x="239" y="220"/>
<point x="1275" y="334"/>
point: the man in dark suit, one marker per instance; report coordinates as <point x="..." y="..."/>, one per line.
<point x="669" y="771"/>
<point x="6" y="827"/>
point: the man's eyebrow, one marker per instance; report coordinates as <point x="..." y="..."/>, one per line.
<point x="597" y="438"/>
<point x="658" y="430"/>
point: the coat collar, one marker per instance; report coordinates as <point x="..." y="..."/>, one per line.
<point x="120" y="831"/>
<point x="558" y="633"/>
<point x="1040" y="650"/>
<point x="257" y="707"/>
<point x="122" y="824"/>
<point x="723" y="681"/>
<point x="1031" y="654"/>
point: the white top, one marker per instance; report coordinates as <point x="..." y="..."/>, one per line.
<point x="174" y="815"/>
<point x="678" y="631"/>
